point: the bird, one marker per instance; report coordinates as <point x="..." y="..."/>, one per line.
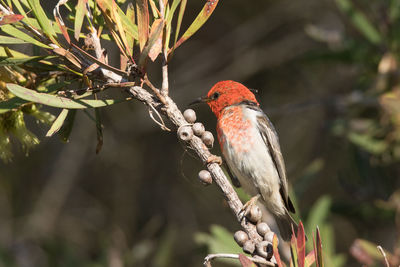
<point x="250" y="147"/>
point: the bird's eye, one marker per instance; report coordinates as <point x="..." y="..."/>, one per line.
<point x="215" y="95"/>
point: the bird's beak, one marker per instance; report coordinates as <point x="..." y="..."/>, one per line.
<point x="203" y="99"/>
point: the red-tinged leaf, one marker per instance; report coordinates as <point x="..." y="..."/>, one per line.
<point x="8" y="19"/>
<point x="156" y="36"/>
<point x="310" y="259"/>
<point x="155" y="33"/>
<point x="301" y="244"/>
<point x="142" y="8"/>
<point x="79" y="16"/>
<point x="319" y="257"/>
<point x="276" y="252"/>
<point x="63" y="29"/>
<point x="245" y="261"/>
<point x="201" y="18"/>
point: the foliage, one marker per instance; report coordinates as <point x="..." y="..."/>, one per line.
<point x="69" y="74"/>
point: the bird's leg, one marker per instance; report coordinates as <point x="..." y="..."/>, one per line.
<point x="247" y="206"/>
<point x="214" y="159"/>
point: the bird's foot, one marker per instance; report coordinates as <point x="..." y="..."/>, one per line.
<point x="214" y="159"/>
<point x="247" y="206"/>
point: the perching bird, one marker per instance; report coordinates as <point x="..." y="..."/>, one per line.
<point x="251" y="149"/>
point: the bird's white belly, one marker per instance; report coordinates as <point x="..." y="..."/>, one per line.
<point x="249" y="159"/>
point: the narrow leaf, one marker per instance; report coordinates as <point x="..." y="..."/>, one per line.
<point x="21" y="35"/>
<point x="10" y="104"/>
<point x="293" y="251"/>
<point x="310" y="259"/>
<point x="319" y="249"/>
<point x="130" y="14"/>
<point x="154" y="9"/>
<point x="10" y="40"/>
<point x="79" y="16"/>
<point x="276" y="251"/>
<point x="57" y="124"/>
<point x="99" y="131"/>
<point x="66" y="128"/>
<point x="301" y="245"/>
<point x="179" y="21"/>
<point x="57" y="101"/>
<point x="45" y="23"/>
<point x="8" y="19"/>
<point x="360" y="21"/>
<point x="153" y="47"/>
<point x="201" y="18"/>
<point x="142" y="8"/>
<point x="245" y="262"/>
<point x="117" y="19"/>
<point x="171" y="12"/>
<point x="12" y="61"/>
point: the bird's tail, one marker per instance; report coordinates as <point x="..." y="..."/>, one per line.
<point x="285" y="223"/>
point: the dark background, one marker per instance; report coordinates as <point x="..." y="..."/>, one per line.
<point x="139" y="203"/>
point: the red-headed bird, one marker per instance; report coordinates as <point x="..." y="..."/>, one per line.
<point x="251" y="149"/>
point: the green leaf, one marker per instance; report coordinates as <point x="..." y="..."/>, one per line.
<point x="319" y="260"/>
<point x="79" y="16"/>
<point x="10" y="104"/>
<point x="12" y="61"/>
<point x="179" y="21"/>
<point x="293" y="252"/>
<point x="57" y="124"/>
<point x="201" y="18"/>
<point x="174" y="5"/>
<point x="40" y="15"/>
<point x="21" y="35"/>
<point x="66" y="129"/>
<point x="57" y="101"/>
<point x="360" y="21"/>
<point x="10" y="40"/>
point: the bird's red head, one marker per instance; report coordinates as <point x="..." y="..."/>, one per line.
<point x="228" y="93"/>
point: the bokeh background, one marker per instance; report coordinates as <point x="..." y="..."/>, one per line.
<point x="326" y="72"/>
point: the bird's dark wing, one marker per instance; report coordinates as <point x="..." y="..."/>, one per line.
<point x="270" y="137"/>
<point x="234" y="179"/>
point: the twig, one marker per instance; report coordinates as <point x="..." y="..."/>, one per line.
<point x="211" y="257"/>
<point x="164" y="67"/>
<point x="162" y="124"/>
<point x="384" y="255"/>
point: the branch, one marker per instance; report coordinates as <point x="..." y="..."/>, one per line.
<point x="211" y="257"/>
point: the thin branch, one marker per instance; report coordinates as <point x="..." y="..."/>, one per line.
<point x="211" y="257"/>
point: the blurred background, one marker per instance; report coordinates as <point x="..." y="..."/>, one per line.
<point x="326" y="72"/>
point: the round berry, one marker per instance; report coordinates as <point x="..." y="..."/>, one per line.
<point x="185" y="133"/>
<point x="198" y="128"/>
<point x="208" y="138"/>
<point x="205" y="177"/>
<point x="189" y="115"/>
<point x="240" y="237"/>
